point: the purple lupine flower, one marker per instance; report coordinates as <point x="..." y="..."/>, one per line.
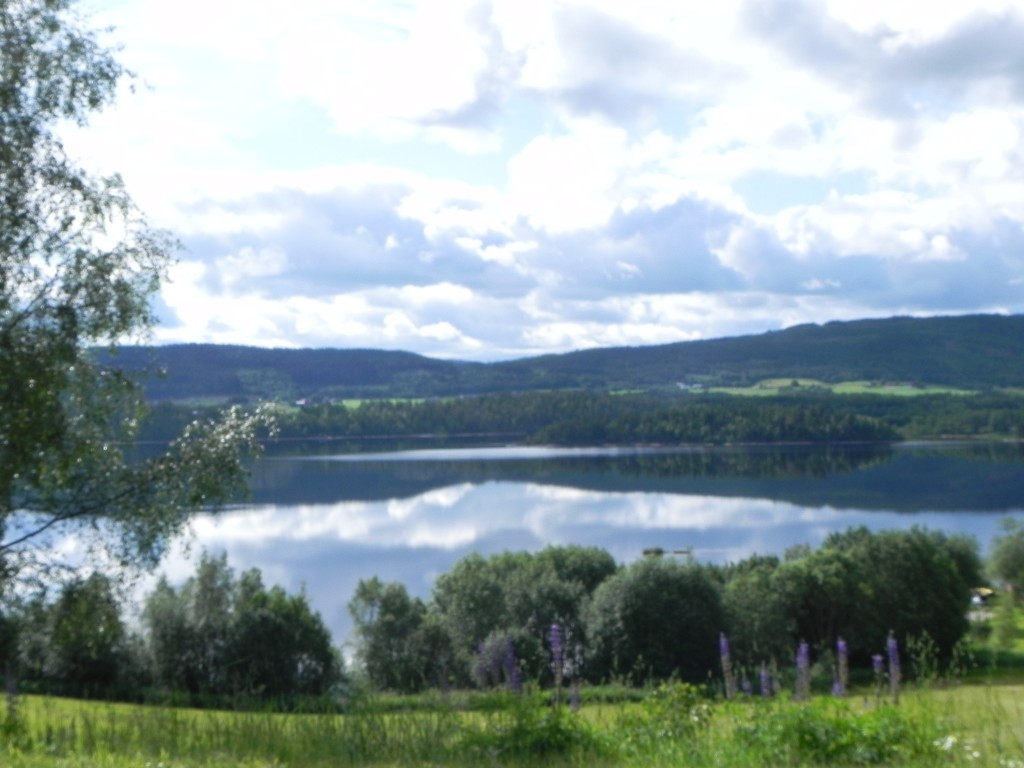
<point x="893" y="651"/>
<point x="766" y="681"/>
<point x="727" y="671"/>
<point x="745" y="685"/>
<point x="557" y="641"/>
<point x="512" y="678"/>
<point x="490" y="661"/>
<point x="842" y="668"/>
<point x="876" y="664"/>
<point x="803" y="671"/>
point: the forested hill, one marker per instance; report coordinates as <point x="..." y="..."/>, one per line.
<point x="976" y="352"/>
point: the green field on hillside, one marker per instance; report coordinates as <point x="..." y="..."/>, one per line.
<point x="776" y="387"/>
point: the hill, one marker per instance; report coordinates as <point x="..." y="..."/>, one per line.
<point x="972" y="352"/>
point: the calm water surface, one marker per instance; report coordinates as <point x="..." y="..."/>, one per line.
<point x="325" y="520"/>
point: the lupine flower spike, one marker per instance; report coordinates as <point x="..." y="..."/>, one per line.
<point x="842" y="668"/>
<point x="727" y="671"/>
<point x="893" y="650"/>
<point x="557" y="641"/>
<point x="512" y="678"/>
<point x="803" y="672"/>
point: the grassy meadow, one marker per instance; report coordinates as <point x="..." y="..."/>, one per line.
<point x="977" y="721"/>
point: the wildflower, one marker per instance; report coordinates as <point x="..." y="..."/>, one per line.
<point x="946" y="744"/>
<point x="766" y="681"/>
<point x="893" y="650"/>
<point x="803" y="671"/>
<point x="876" y="664"/>
<point x="727" y="671"/>
<point x="557" y="641"/>
<point x="491" y="660"/>
<point x="512" y="678"/>
<point x="842" y="668"/>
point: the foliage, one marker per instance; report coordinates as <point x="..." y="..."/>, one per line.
<point x="673" y="711"/>
<point x="660" y="617"/>
<point x="582" y="417"/>
<point x="1004" y="631"/>
<point x="655" y="619"/>
<point x="761" y="628"/>
<point x="527" y="728"/>
<point x="818" y="595"/>
<point x="477" y="609"/>
<point x="1006" y="558"/>
<point x="78" y="644"/>
<point x="588" y="418"/>
<point x="78" y="265"/>
<point x="219" y="635"/>
<point x="911" y="582"/>
<point x="398" y="646"/>
<point x="859" y="585"/>
<point x="836" y="732"/>
<point x="518" y="594"/>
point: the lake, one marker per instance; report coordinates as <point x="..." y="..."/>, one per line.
<point x="325" y="518"/>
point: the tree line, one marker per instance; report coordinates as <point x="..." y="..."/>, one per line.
<point x="225" y="639"/>
<point x="661" y="616"/>
<point x="219" y="638"/>
<point x="589" y="418"/>
<point x="569" y="418"/>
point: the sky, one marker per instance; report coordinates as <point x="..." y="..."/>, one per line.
<point x="485" y="180"/>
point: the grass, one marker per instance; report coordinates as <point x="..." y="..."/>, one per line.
<point x="774" y="387"/>
<point x="978" y="724"/>
<point x="358" y="402"/>
<point x="974" y="719"/>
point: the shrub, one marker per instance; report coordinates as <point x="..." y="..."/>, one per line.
<point x="673" y="712"/>
<point x="527" y="727"/>
<point x="655" y="619"/>
<point x="835" y="732"/>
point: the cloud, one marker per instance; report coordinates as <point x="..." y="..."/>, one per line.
<point x="495" y="178"/>
<point x="977" y="57"/>
<point x="620" y="72"/>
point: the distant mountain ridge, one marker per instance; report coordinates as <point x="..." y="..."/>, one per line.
<point x="973" y="351"/>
